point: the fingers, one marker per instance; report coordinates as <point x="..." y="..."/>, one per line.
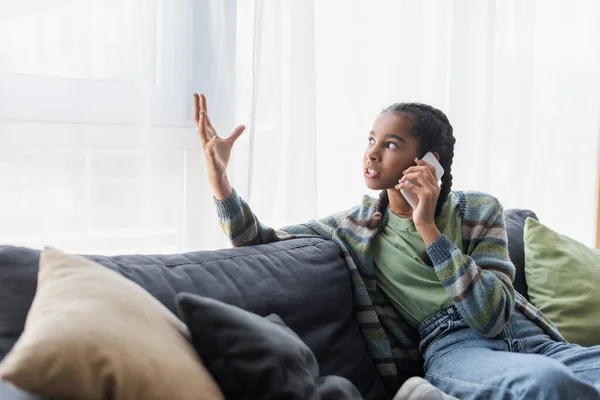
<point x="422" y="192"/>
<point x="427" y="170"/>
<point x="202" y="128"/>
<point x="196" y="109"/>
<point x="422" y="163"/>
<point x="200" y="105"/>
<point x="237" y="132"/>
<point x="420" y="169"/>
<point x="411" y="187"/>
<point x="203" y="107"/>
<point x="200" y="118"/>
<point x="205" y="129"/>
<point x="422" y="177"/>
<point x="203" y="103"/>
<point x="414" y="176"/>
<point x="419" y="179"/>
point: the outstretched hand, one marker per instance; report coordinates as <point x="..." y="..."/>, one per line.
<point x="216" y="149"/>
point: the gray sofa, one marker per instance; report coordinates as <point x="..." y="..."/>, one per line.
<point x="305" y="281"/>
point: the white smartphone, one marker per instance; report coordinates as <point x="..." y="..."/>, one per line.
<point x="412" y="198"/>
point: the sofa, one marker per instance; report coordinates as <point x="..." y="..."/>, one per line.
<point x="305" y="281"/>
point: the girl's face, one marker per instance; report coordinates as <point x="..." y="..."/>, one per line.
<point x="391" y="150"/>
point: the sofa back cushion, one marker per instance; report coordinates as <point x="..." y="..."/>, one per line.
<point x="93" y="334"/>
<point x="515" y="223"/>
<point x="305" y="281"/>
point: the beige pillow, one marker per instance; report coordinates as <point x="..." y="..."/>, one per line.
<point x="92" y="334"/>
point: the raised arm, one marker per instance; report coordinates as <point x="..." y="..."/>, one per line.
<point x="244" y="229"/>
<point x="217" y="150"/>
<point x="236" y="218"/>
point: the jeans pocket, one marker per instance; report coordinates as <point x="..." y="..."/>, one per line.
<point x="428" y="343"/>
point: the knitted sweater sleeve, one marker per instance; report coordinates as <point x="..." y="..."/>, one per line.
<point x="244" y="229"/>
<point x="480" y="282"/>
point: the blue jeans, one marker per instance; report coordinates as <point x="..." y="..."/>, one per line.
<point x="523" y="362"/>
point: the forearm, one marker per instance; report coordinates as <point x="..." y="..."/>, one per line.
<point x="484" y="297"/>
<point x="244" y="229"/>
<point x="430" y="233"/>
<point x="221" y="187"/>
<point x="237" y="220"/>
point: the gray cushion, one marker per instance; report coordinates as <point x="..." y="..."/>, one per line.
<point x="249" y="356"/>
<point x="515" y="223"/>
<point x="305" y="281"/>
<point x="18" y="281"/>
<point x="256" y="358"/>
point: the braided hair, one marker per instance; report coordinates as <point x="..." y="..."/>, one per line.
<point x="434" y="133"/>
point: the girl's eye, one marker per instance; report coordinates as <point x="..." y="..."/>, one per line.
<point x="371" y="141"/>
<point x="392" y="145"/>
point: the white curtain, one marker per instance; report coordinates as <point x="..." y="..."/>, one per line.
<point x="96" y="148"/>
<point x="519" y="80"/>
<point x="98" y="153"/>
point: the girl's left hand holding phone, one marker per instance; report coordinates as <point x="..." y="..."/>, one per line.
<point x="428" y="194"/>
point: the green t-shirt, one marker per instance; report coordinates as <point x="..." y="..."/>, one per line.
<point x="403" y="275"/>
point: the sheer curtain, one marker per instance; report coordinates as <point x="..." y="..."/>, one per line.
<point x="97" y="148"/>
<point x="519" y="80"/>
<point x="98" y="152"/>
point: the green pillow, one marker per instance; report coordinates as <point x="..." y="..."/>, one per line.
<point x="563" y="276"/>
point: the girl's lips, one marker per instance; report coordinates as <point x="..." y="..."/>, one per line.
<point x="370" y="174"/>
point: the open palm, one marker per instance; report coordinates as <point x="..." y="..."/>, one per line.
<point x="217" y="150"/>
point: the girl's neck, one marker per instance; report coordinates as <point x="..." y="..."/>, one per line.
<point x="398" y="204"/>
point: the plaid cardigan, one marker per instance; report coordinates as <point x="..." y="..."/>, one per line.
<point x="478" y="278"/>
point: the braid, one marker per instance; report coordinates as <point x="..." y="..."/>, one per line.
<point x="446" y="186"/>
<point x="383" y="202"/>
<point x="435" y="133"/>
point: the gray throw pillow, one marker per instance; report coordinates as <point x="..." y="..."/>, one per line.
<point x="252" y="357"/>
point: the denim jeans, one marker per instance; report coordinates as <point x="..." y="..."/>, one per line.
<point x="523" y="362"/>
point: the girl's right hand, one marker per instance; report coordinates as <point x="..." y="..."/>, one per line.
<point x="216" y="149"/>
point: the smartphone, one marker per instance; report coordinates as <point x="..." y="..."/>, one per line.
<point x="412" y="198"/>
